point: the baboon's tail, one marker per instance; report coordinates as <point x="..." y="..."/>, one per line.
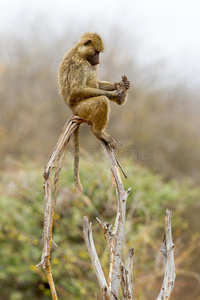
<point x="77" y="181"/>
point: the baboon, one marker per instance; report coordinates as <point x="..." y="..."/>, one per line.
<point x="85" y="94"/>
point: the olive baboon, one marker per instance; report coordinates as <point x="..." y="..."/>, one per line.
<point x="85" y="94"/>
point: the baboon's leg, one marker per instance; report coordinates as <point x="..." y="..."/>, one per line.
<point x="96" y="110"/>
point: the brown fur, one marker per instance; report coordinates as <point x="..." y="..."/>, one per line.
<point x="85" y="94"/>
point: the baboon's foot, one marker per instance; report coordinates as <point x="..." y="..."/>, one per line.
<point x="126" y="82"/>
<point x="106" y="138"/>
<point x="109" y="140"/>
<point x="123" y="86"/>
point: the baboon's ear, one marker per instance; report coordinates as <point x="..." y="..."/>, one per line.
<point x="87" y="43"/>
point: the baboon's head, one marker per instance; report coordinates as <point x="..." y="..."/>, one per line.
<point x="89" y="47"/>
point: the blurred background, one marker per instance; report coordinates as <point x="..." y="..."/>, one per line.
<point x="157" y="46"/>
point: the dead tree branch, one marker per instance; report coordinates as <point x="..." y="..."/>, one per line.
<point x="55" y="160"/>
<point x="118" y="272"/>
<point x="56" y="156"/>
<point x="114" y="238"/>
<point x="167" y="250"/>
<point x="87" y="231"/>
<point x="127" y="277"/>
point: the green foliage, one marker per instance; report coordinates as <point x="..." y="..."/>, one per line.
<point x="21" y="215"/>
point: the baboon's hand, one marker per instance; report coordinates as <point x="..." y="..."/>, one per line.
<point x="116" y="94"/>
<point x="121" y="99"/>
<point x="120" y="95"/>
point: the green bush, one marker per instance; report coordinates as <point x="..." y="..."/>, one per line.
<point x="21" y="215"/>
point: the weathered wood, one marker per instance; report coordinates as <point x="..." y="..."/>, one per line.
<point x="116" y="236"/>
<point x="118" y="272"/>
<point x="56" y="156"/>
<point x="167" y="250"/>
<point x="87" y="231"/>
<point x="127" y="277"/>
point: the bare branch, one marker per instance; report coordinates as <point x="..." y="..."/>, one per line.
<point x="87" y="231"/>
<point x="49" y="205"/>
<point x="168" y="255"/>
<point x="130" y="267"/>
<point x="118" y="272"/>
<point x="127" y="277"/>
<point x="115" y="238"/>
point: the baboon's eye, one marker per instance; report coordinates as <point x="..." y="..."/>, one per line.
<point x="87" y="43"/>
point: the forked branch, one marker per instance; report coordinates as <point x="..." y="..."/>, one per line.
<point x="118" y="272"/>
<point x="114" y="238"/>
<point x="55" y="160"/>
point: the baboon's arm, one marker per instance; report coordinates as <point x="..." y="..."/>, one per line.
<point x="84" y="92"/>
<point x="107" y="86"/>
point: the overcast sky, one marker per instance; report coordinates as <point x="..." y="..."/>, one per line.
<point x="167" y="29"/>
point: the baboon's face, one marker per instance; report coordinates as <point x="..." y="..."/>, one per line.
<point x="94" y="58"/>
<point x="90" y="47"/>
